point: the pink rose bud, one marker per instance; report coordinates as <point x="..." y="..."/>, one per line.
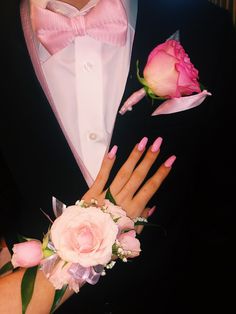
<point x="130" y="243"/>
<point x="169" y="72"/>
<point x="27" y="254"/>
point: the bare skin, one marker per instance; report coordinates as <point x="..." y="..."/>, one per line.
<point x="124" y="187"/>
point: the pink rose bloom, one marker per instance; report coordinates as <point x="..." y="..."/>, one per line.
<point x="129" y="243"/>
<point x="84" y="236"/>
<point x="123" y="221"/>
<point x="169" y="72"/>
<point x="27" y="254"/>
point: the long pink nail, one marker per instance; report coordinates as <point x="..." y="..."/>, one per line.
<point x="142" y="144"/>
<point x="156" y="145"/>
<point x="169" y="162"/>
<point x="112" y="152"/>
<point x="151" y="211"/>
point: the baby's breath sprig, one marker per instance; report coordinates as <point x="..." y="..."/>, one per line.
<point x="140" y="221"/>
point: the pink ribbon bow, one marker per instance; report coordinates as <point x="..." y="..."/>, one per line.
<point x="169" y="106"/>
<point x="106" y="22"/>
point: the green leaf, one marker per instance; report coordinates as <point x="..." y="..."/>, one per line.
<point x="47" y="253"/>
<point x="5" y="268"/>
<point x="152" y="95"/>
<point x="148" y="90"/>
<point x="202" y="87"/>
<point x="114" y="250"/>
<point x="141" y="79"/>
<point x="27" y="286"/>
<point x="109" y="197"/>
<point x="21" y="238"/>
<point x="57" y="298"/>
<point x="45" y="241"/>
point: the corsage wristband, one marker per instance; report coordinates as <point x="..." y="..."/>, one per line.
<point x="81" y="244"/>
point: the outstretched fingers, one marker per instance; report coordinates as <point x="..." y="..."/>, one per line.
<point x="99" y="184"/>
<point x="152" y="185"/>
<point x="127" y="169"/>
<point x="125" y="188"/>
<point x="140" y="172"/>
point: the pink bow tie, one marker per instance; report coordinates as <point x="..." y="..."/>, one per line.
<point x="106" y="22"/>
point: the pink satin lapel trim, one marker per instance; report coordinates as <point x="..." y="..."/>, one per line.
<point x="31" y="45"/>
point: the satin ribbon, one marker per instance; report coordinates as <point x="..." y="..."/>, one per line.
<point x="169" y="106"/>
<point x="88" y="274"/>
<point x="79" y="273"/>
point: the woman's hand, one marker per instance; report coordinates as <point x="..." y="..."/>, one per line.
<point x="130" y="177"/>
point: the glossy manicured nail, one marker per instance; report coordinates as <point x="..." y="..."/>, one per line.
<point x="169" y="162"/>
<point x="142" y="144"/>
<point x="151" y="211"/>
<point x="112" y="152"/>
<point x="156" y="145"/>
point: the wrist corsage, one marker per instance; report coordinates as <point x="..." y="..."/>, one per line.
<point x="80" y="245"/>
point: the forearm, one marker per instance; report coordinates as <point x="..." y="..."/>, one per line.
<point x="42" y="299"/>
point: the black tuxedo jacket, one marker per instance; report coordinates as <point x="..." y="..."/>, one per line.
<point x="185" y="263"/>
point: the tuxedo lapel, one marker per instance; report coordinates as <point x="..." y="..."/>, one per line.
<point x="150" y="31"/>
<point x="36" y="139"/>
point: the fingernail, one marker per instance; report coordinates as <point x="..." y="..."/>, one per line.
<point x="151" y="211"/>
<point x="112" y="152"/>
<point x="142" y="144"/>
<point x="156" y="145"/>
<point x="169" y="162"/>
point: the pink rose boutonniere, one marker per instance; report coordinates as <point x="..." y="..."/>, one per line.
<point x="168" y="75"/>
<point x="82" y="243"/>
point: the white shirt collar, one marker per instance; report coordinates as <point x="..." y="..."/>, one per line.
<point x="131" y="7"/>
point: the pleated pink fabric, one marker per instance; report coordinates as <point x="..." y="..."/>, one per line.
<point x="106" y="22"/>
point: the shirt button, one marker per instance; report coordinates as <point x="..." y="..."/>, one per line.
<point x="88" y="66"/>
<point x="93" y="136"/>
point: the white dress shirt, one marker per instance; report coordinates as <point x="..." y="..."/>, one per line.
<point x="86" y="80"/>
